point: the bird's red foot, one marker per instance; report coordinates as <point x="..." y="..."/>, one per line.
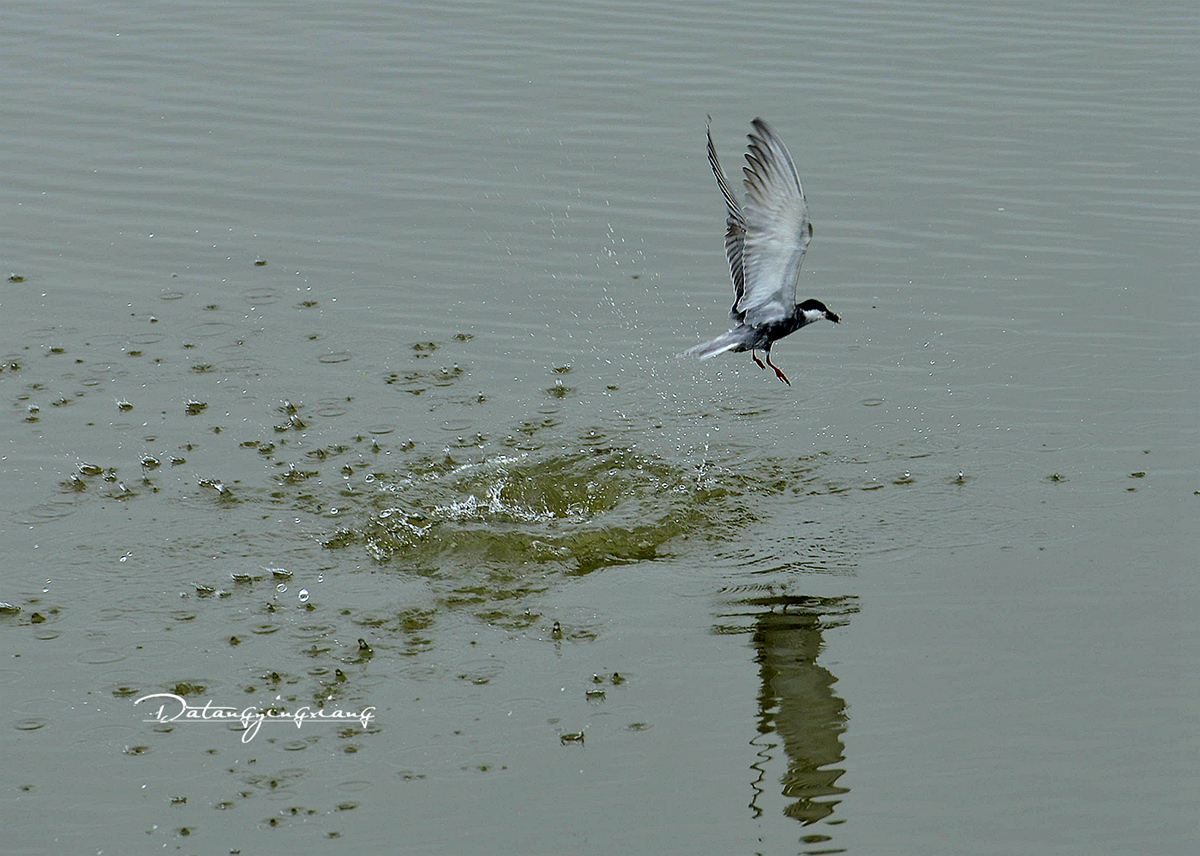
<point x="754" y="357"/>
<point x="778" y="373"/>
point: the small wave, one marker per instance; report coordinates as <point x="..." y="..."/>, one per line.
<point x="584" y="509"/>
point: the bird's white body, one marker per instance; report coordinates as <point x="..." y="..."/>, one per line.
<point x="765" y="241"/>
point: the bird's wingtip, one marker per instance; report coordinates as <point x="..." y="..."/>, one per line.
<point x="760" y="125"/>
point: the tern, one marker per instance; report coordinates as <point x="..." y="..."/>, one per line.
<point x="765" y="240"/>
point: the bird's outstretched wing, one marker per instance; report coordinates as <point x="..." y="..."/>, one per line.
<point x="775" y="229"/>
<point x="735" y="227"/>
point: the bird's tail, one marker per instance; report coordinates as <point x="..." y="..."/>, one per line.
<point x="725" y="342"/>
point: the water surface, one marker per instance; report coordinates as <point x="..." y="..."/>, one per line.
<point x="339" y="354"/>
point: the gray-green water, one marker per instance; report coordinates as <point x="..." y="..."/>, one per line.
<point x="936" y="597"/>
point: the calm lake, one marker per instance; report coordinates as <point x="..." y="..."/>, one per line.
<point x="353" y="498"/>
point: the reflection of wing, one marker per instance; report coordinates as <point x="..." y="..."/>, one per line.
<point x="775" y="228"/>
<point x="735" y="227"/>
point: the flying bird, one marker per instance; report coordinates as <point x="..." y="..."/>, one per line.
<point x="765" y="240"/>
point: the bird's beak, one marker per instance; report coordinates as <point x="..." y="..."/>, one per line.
<point x="832" y="317"/>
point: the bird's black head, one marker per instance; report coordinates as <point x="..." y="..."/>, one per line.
<point x="816" y="309"/>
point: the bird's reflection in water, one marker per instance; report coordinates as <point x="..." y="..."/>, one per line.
<point x="797" y="706"/>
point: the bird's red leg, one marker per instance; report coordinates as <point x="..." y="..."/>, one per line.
<point x="778" y="373"/>
<point x="754" y="357"/>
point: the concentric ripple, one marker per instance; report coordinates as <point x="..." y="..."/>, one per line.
<point x="585" y="509"/>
